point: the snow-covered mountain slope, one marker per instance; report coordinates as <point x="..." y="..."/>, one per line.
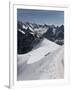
<point x="39" y="51"/>
<point x="49" y="67"/>
<point x="55" y="65"/>
<point x="43" y="62"/>
<point x="45" y="42"/>
<point x="43" y="48"/>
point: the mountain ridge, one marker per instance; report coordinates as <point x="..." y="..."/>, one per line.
<point x="30" y="34"/>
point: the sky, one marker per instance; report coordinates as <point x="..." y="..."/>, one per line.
<point x="48" y="17"/>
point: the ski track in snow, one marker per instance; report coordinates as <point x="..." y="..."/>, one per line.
<point x="48" y="66"/>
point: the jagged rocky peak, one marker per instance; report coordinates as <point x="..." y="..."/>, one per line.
<point x="30" y="34"/>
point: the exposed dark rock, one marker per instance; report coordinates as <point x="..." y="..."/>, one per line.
<point x="27" y="39"/>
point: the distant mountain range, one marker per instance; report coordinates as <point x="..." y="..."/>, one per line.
<point x="30" y="34"/>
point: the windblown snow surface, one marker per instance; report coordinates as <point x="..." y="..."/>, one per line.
<point x="45" y="61"/>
